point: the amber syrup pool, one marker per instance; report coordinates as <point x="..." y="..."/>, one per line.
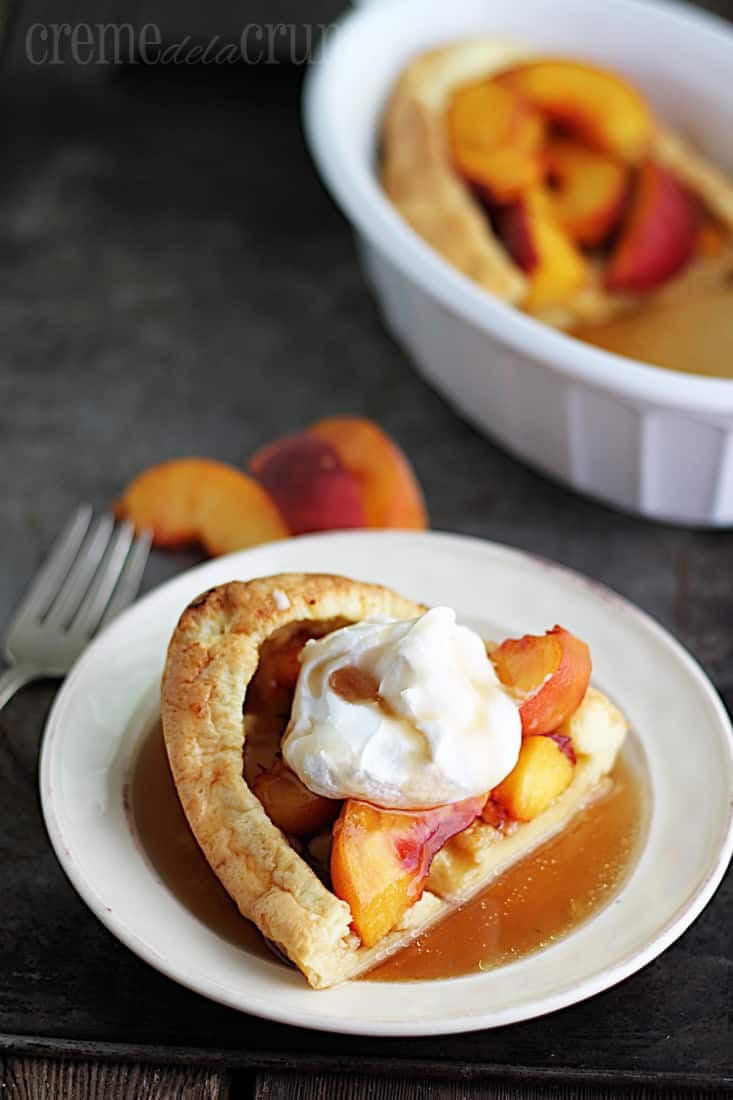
<point x="533" y="904"/>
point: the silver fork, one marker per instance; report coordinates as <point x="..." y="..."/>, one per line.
<point x="92" y="573"/>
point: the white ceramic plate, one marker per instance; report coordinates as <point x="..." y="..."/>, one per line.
<point x="109" y="700"/>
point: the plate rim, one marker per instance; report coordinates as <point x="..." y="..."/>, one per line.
<point x="635" y="960"/>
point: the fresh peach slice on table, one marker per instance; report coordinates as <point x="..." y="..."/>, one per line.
<point x="658" y="235"/>
<point x="341" y="472"/>
<point x="290" y="805"/>
<point x="192" y="500"/>
<point x="551" y="670"/>
<point x="381" y="858"/>
<point x="587" y="190"/>
<point x="391" y="495"/>
<point x="495" y="139"/>
<point x="310" y="484"/>
<point x="555" y="266"/>
<point x="544" y="770"/>
<point x="593" y="104"/>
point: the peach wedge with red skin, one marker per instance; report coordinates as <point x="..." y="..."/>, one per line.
<point x="290" y="805"/>
<point x="381" y="858"/>
<point x="658" y="235"/>
<point x="551" y="671"/>
<point x="341" y="472"/>
<point x="542" y="772"/>
<point x="391" y="494"/>
<point x="197" y="500"/>
<point x="555" y="267"/>
<point x="309" y="483"/>
<point x="588" y="189"/>
<point x="595" y="105"/>
<point x="495" y="138"/>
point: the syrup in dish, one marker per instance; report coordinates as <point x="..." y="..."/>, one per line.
<point x="694" y="336"/>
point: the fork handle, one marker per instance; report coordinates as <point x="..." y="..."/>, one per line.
<point x="13" y="678"/>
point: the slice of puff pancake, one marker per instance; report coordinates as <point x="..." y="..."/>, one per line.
<point x="212" y="658"/>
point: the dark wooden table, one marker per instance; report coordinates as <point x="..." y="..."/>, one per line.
<point x="174" y="280"/>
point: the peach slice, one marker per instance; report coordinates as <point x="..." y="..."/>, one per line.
<point x="587" y="190"/>
<point x="197" y="500"/>
<point x="542" y="772"/>
<point x="556" y="268"/>
<point x="391" y="495"/>
<point x="310" y="484"/>
<point x="290" y="805"/>
<point x="658" y="235"/>
<point x="381" y="858"/>
<point x="495" y="138"/>
<point x="597" y="106"/>
<point x="551" y="670"/>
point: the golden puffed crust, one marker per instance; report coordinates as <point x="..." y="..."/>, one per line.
<point x="212" y="657"/>
<point x="419" y="177"/>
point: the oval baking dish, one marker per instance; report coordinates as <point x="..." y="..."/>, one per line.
<point x="643" y="438"/>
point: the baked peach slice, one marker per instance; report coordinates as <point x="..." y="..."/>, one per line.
<point x="593" y="104"/>
<point x="309" y="483"/>
<point x="197" y="500"/>
<point x="341" y="472"/>
<point x="391" y="494"/>
<point x="290" y="805"/>
<point x="495" y="138"/>
<point x="542" y="772"/>
<point x="380" y="858"/>
<point x="555" y="266"/>
<point x="658" y="235"/>
<point x="586" y="190"/>
<point x="550" y="671"/>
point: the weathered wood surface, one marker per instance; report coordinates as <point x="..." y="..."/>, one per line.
<point x="27" y="1078"/>
<point x="357" y="1087"/>
<point x="50" y="1079"/>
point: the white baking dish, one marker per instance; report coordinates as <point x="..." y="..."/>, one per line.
<point x="645" y="439"/>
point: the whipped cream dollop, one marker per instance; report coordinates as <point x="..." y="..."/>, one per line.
<point x="406" y="714"/>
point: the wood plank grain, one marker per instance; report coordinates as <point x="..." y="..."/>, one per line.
<point x="48" y="1079"/>
<point x="329" y="1086"/>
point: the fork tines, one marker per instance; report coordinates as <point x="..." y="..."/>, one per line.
<point x="92" y="573"/>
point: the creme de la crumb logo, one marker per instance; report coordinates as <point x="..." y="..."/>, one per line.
<point x="124" y="43"/>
